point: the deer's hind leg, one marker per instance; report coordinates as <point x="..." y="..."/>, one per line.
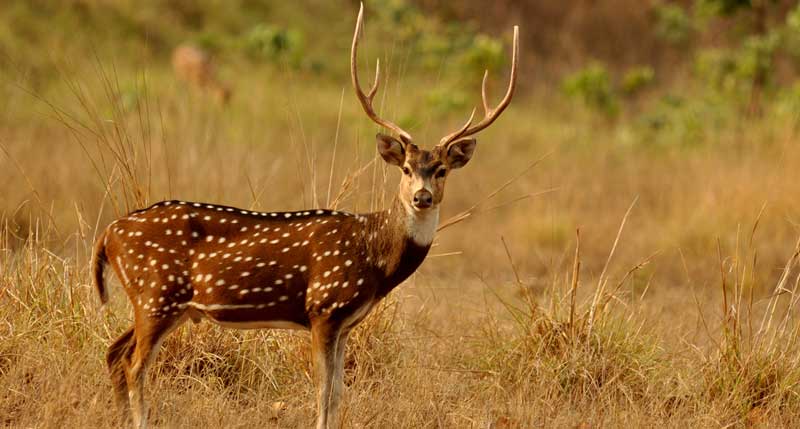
<point x="147" y="337"/>
<point x="118" y="359"/>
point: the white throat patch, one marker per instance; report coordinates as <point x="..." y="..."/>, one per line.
<point x="421" y="226"/>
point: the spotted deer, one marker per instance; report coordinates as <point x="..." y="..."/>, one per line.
<point x="195" y="66"/>
<point x="320" y="270"/>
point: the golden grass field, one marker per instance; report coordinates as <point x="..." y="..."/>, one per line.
<point x="678" y="308"/>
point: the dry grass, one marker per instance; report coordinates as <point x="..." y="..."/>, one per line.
<point x="663" y="312"/>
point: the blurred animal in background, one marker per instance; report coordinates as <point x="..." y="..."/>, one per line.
<point x="195" y="66"/>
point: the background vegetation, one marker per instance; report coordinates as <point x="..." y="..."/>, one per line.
<point x="666" y="132"/>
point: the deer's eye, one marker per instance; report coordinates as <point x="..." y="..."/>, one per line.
<point x="406" y="171"/>
<point x="441" y="173"/>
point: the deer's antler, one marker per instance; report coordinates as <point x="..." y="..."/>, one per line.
<point x="489" y="114"/>
<point x="366" y="99"/>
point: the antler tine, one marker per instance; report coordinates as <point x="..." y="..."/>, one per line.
<point x="366" y="99"/>
<point x="374" y="88"/>
<point x="490" y="114"/>
<point x="485" y="99"/>
<point x="460" y="131"/>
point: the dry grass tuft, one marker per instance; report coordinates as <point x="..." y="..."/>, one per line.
<point x="589" y="352"/>
<point x="753" y="370"/>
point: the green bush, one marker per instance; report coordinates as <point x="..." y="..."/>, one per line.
<point x="756" y="56"/>
<point x="788" y="102"/>
<point x="403" y="19"/>
<point x="483" y="53"/>
<point x="735" y="70"/>
<point x="446" y="100"/>
<point x="791" y="33"/>
<point x="211" y="42"/>
<point x="673" y="120"/>
<point x="637" y="79"/>
<point x="593" y="87"/>
<point x="686" y="120"/>
<point x="716" y="68"/>
<point x="672" y="23"/>
<point x="274" y="44"/>
<point x="722" y="7"/>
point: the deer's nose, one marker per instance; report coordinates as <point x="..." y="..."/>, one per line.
<point x="423" y="199"/>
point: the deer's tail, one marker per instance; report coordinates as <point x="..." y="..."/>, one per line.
<point x="99" y="260"/>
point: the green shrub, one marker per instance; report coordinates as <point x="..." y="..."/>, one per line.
<point x="788" y="101"/>
<point x="274" y="44"/>
<point x="210" y="42"/>
<point x="722" y="7"/>
<point x="791" y="33"/>
<point x="637" y="79"/>
<point x="756" y="56"/>
<point x="736" y="70"/>
<point x="593" y="87"/>
<point x="673" y="120"/>
<point x="687" y="120"/>
<point x="404" y="20"/>
<point x="445" y="100"/>
<point x="716" y="68"/>
<point x="483" y="53"/>
<point x="672" y="23"/>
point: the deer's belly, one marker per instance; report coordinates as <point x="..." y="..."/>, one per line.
<point x="248" y="316"/>
<point x="266" y="324"/>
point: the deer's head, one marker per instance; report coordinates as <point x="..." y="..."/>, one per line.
<point x="424" y="172"/>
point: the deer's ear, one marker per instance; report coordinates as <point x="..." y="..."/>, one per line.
<point x="391" y="150"/>
<point x="460" y="152"/>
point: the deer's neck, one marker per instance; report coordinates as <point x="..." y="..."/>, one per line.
<point x="402" y="239"/>
<point x="419" y="227"/>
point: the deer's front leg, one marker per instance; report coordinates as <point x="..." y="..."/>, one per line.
<point x="328" y="344"/>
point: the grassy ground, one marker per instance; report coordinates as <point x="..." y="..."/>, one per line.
<point x="676" y="309"/>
